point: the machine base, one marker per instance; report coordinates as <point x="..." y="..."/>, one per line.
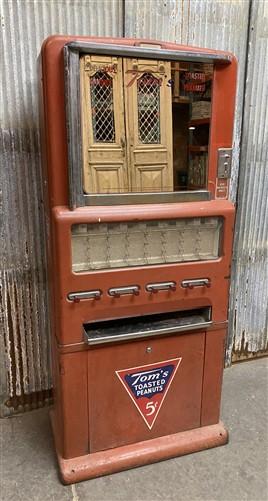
<point x="150" y="451"/>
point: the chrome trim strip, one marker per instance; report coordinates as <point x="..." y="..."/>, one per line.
<point x="77" y="296"/>
<point x="147" y="198"/>
<point x="136" y="335"/>
<point x="73" y="122"/>
<point x="198" y="282"/>
<point x="121" y="291"/>
<point x="145" y="52"/>
<point x="160" y="286"/>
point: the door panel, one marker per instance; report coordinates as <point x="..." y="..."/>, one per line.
<point x="113" y="417"/>
<point x="105" y="169"/>
<point x="148" y="124"/>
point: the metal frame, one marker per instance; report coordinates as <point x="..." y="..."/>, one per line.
<point x="187" y="323"/>
<point x="72" y="52"/>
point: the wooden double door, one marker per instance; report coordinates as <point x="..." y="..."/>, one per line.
<point x="126" y="109"/>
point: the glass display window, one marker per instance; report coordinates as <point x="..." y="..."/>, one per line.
<point x="145" y="124"/>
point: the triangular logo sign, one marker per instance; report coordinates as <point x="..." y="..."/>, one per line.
<point x="148" y="385"/>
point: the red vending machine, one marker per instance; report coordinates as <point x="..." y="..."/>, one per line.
<point x="137" y="140"/>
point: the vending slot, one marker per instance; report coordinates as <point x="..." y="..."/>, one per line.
<point x="130" y="328"/>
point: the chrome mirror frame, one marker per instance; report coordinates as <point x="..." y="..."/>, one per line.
<point x="72" y="51"/>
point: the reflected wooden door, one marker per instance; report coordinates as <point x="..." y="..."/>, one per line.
<point x="148" y="102"/>
<point x="103" y="125"/>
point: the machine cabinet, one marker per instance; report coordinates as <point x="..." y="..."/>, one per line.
<point x="137" y="139"/>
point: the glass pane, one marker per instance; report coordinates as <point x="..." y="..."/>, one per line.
<point x="148" y="108"/>
<point x="101" y="91"/>
<point x="116" y="245"/>
<point x="162" y="111"/>
<point x="191" y="112"/>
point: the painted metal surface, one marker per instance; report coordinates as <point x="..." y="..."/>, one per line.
<point x="249" y="290"/>
<point x="25" y="366"/>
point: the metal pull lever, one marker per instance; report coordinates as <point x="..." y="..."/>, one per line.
<point x="161" y="286"/>
<point x="77" y="296"/>
<point x="122" y="291"/>
<point x="197" y="282"/>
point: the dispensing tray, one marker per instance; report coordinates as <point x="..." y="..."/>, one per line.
<point x="127" y="329"/>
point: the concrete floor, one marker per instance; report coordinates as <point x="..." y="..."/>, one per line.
<point x="238" y="471"/>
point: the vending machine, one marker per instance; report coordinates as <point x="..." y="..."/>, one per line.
<point x="137" y="138"/>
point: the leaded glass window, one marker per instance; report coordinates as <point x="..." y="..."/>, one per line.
<point x="101" y="90"/>
<point x="148" y="89"/>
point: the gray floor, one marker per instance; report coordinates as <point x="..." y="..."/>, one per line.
<point x="238" y="471"/>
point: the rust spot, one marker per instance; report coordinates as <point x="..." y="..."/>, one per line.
<point x="29" y="402"/>
<point x="12" y="374"/>
<point x="242" y="354"/>
<point x="19" y="399"/>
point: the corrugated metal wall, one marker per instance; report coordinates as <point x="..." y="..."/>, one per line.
<point x="221" y="24"/>
<point x="215" y="24"/>
<point x="248" y="335"/>
<point x="24" y="365"/>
